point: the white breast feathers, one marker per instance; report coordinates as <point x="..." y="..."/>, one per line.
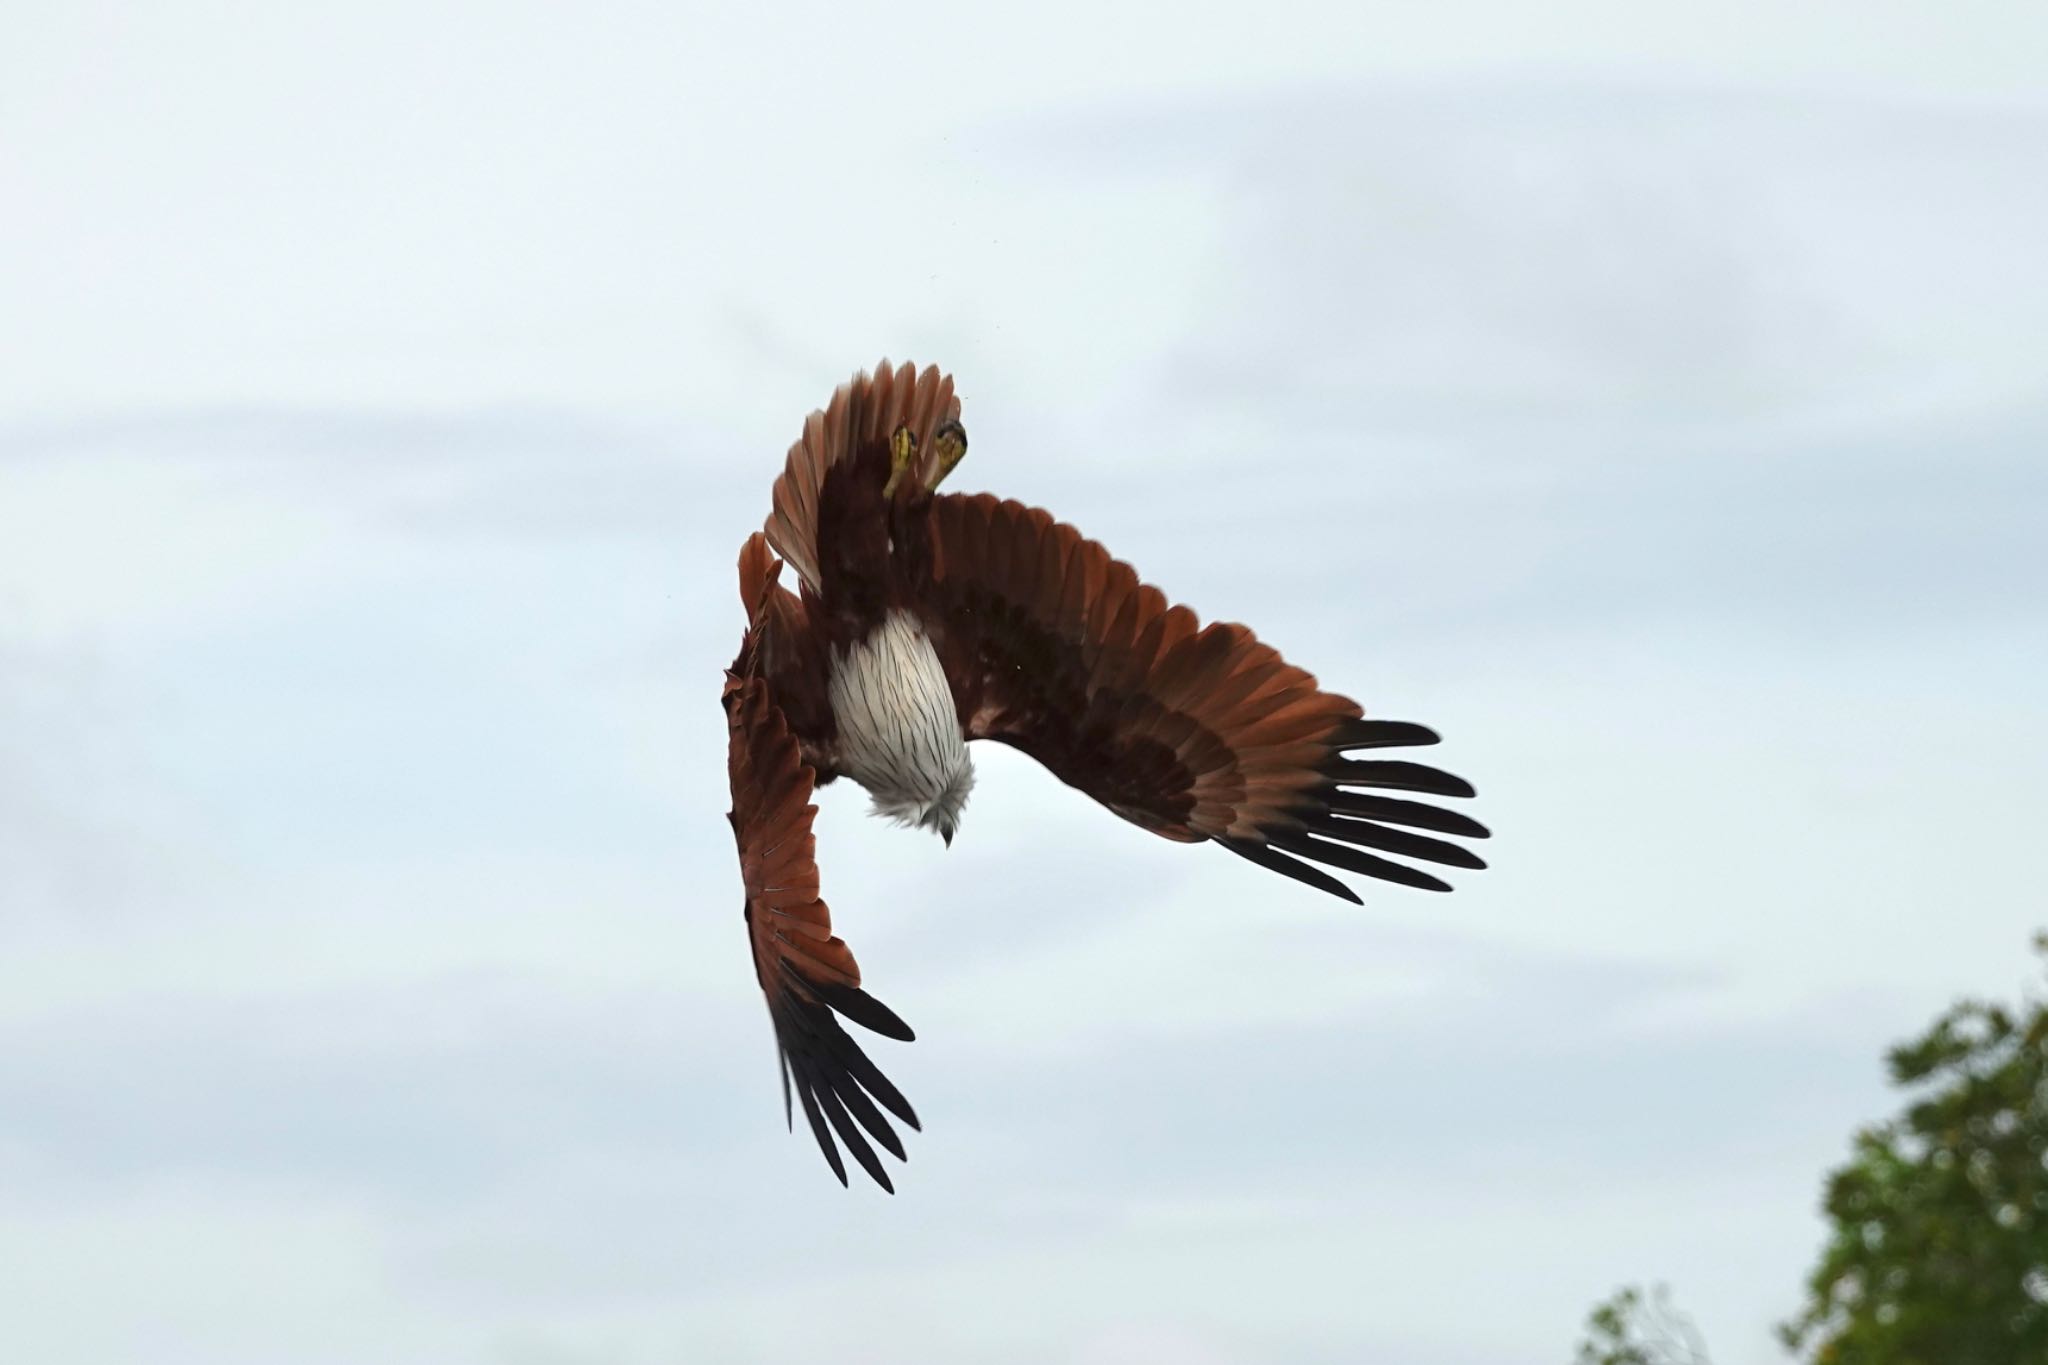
<point x="899" y="735"/>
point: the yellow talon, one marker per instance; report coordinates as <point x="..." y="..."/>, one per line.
<point x="949" y="444"/>
<point x="902" y="447"/>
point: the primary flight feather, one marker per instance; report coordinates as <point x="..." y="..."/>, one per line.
<point x="922" y="620"/>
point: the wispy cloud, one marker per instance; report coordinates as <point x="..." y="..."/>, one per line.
<point x="371" y="958"/>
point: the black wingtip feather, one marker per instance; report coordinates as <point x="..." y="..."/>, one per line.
<point x="865" y="1010"/>
<point x="1293" y="867"/>
<point x="1407" y="844"/>
<point x="1396" y="775"/>
<point x="838" y="1059"/>
<point x="863" y="1109"/>
<point x="834" y="1079"/>
<point x="849" y="1133"/>
<point x="1394" y="811"/>
<point x="818" y="1131"/>
<point x="1357" y="860"/>
<point x="824" y="1033"/>
<point x="1360" y="733"/>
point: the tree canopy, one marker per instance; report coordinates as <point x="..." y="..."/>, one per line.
<point x="1635" y="1328"/>
<point x="1938" y="1249"/>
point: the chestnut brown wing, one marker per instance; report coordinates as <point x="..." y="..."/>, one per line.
<point x="864" y="412"/>
<point x="1194" y="732"/>
<point x="807" y="972"/>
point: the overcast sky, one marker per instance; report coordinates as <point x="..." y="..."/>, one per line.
<point x="1652" y="398"/>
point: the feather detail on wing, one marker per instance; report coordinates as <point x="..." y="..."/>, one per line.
<point x="863" y="411"/>
<point x="807" y="973"/>
<point x="1193" y="732"/>
<point x="783" y="647"/>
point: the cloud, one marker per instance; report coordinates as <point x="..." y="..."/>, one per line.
<point x="1472" y="256"/>
<point x="500" y="1159"/>
<point x="461" y="1000"/>
<point x="1672" y="449"/>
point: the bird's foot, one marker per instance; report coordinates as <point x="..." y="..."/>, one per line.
<point x="949" y="445"/>
<point x="902" y="448"/>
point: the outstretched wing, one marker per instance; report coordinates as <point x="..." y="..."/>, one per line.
<point x="1194" y="732"/>
<point x="808" y="974"/>
<point x="864" y="411"/>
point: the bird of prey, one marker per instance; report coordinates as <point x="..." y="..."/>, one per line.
<point x="921" y="621"/>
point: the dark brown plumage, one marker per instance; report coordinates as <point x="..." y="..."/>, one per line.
<point x="805" y="970"/>
<point x="922" y="620"/>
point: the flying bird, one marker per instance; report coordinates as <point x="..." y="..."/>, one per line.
<point x="921" y="621"/>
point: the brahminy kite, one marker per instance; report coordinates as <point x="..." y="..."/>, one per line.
<point x="923" y="620"/>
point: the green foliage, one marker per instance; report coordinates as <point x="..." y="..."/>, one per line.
<point x="1634" y="1328"/>
<point x="1939" y="1249"/>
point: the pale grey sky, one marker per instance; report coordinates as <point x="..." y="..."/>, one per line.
<point x="1650" y="397"/>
